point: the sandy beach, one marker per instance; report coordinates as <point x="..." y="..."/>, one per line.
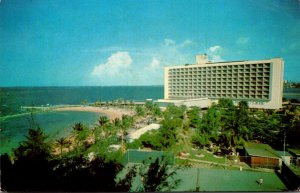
<point x="110" y="112"/>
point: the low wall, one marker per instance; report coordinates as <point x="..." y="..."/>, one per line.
<point x="291" y="177"/>
<point x="263" y="162"/>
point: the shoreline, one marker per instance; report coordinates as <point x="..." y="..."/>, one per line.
<point x="111" y="112"/>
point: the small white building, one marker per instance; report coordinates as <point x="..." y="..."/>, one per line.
<point x="284" y="157"/>
<point x="199" y="102"/>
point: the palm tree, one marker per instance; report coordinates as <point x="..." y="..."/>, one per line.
<point x="78" y="127"/>
<point x="156" y="176"/>
<point x="139" y="110"/>
<point x="117" y="122"/>
<point x="32" y="166"/>
<point x="124" y="103"/>
<point x="121" y="134"/>
<point x="80" y="132"/>
<point x="159" y="177"/>
<point x="62" y="142"/>
<point x="98" y="103"/>
<point x="127" y="121"/>
<point x="103" y="120"/>
<point x="84" y="102"/>
<point x="68" y="144"/>
<point x="131" y="103"/>
<point x="113" y="103"/>
<point x="242" y="123"/>
<point x="119" y="102"/>
<point x="35" y="144"/>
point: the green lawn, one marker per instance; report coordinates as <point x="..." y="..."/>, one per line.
<point x="207" y="156"/>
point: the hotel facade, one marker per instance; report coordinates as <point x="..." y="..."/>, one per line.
<point x="259" y="82"/>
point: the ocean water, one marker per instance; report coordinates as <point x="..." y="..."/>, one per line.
<point x="292" y="93"/>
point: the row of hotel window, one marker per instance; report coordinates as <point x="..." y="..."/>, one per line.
<point x="185" y="70"/>
<point x="229" y="75"/>
<point x="219" y="83"/>
<point x="220" y="79"/>
<point x="219" y="95"/>
<point x="223" y="68"/>
<point x="219" y="91"/>
<point x="240" y="87"/>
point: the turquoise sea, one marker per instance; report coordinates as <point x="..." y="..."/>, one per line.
<point x="56" y="124"/>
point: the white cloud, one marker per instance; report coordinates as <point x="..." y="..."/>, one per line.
<point x="171" y="53"/>
<point x="216" y="58"/>
<point x="242" y="40"/>
<point x="147" y="67"/>
<point x="169" y="42"/>
<point x="214" y="53"/>
<point x="155" y="63"/>
<point x="214" y="48"/>
<point x="292" y="48"/>
<point x="186" y="43"/>
<point x="114" y="64"/>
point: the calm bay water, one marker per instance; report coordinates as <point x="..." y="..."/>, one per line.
<point x="56" y="124"/>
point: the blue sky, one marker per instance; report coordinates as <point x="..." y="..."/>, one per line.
<point x="128" y="42"/>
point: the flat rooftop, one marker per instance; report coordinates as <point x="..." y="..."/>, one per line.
<point x="261" y="150"/>
<point x="282" y="153"/>
<point x="294" y="151"/>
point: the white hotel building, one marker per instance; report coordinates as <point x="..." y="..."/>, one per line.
<point x="260" y="82"/>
